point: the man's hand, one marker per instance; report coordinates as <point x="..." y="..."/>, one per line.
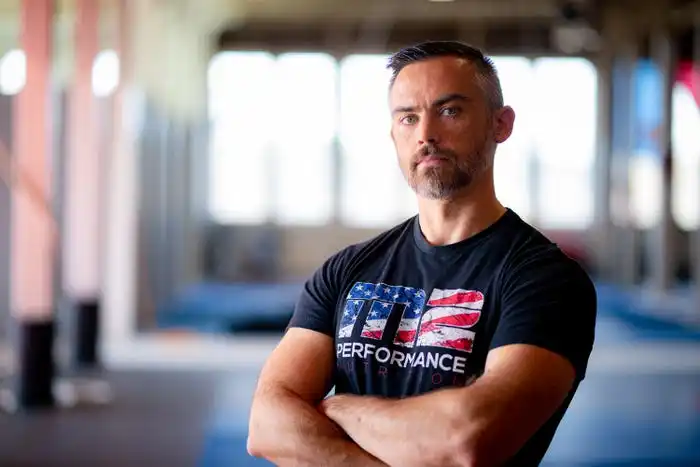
<point x="483" y="424"/>
<point x="285" y="426"/>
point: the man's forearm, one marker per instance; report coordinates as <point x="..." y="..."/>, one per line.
<point x="286" y="430"/>
<point x="422" y="431"/>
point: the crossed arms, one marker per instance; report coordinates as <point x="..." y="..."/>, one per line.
<point x="483" y="424"/>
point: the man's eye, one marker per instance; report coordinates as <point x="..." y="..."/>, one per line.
<point x="409" y="119"/>
<point x="449" y="111"/>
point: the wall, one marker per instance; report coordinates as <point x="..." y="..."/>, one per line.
<point x="298" y="251"/>
<point x="304" y="249"/>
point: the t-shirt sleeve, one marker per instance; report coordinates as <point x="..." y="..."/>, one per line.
<point x="549" y="301"/>
<point x="315" y="307"/>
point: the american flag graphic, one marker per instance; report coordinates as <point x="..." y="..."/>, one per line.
<point x="408" y="325"/>
<point x="362" y="291"/>
<point x="347" y="322"/>
<point x="446" y="323"/>
<point x="376" y="320"/>
<point x="384" y="298"/>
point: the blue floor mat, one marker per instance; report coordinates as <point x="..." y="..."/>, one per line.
<point x="625" y="420"/>
<point x="224" y="307"/>
<point x="227" y="450"/>
<point x="635" y="319"/>
<point x="225" y="443"/>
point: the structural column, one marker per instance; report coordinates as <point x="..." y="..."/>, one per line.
<point x="121" y="193"/>
<point x="33" y="239"/>
<point x="624" y="236"/>
<point x="603" y="232"/>
<point x="82" y="190"/>
<point x="660" y="251"/>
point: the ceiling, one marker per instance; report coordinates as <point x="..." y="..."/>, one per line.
<point x="320" y="22"/>
<point x="320" y="11"/>
<point x="375" y="10"/>
<point x="289" y="11"/>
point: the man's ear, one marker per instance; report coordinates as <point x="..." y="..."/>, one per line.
<point x="504" y="120"/>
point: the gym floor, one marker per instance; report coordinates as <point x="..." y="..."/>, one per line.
<point x="639" y="406"/>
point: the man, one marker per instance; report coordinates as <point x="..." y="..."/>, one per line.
<point x="457" y="338"/>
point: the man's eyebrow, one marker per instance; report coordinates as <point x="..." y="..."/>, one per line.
<point x="403" y="109"/>
<point x="437" y="103"/>
<point x="449" y="98"/>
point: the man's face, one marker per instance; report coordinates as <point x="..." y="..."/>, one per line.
<point x="444" y="132"/>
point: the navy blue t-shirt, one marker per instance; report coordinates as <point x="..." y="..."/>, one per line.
<point x="408" y="317"/>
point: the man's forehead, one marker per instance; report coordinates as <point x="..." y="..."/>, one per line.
<point x="440" y="75"/>
<point x="448" y="66"/>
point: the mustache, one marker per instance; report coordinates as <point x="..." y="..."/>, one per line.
<point x="433" y="150"/>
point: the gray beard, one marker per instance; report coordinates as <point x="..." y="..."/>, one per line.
<point x="435" y="185"/>
<point x="443" y="183"/>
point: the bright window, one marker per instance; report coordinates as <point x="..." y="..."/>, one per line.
<point x="13" y="72"/>
<point x="271" y="137"/>
<point x="373" y="190"/>
<point x="645" y="190"/>
<point x="512" y="163"/>
<point x="564" y="129"/>
<point x="275" y="120"/>
<point x="240" y="103"/>
<point x="304" y="126"/>
<point x="105" y="73"/>
<point x="685" y="197"/>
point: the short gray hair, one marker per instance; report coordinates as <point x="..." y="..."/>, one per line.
<point x="486" y="70"/>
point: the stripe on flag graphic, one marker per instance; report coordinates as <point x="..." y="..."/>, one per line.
<point x="472" y="299"/>
<point x="376" y="320"/>
<point x="446" y="323"/>
<point x="347" y="323"/>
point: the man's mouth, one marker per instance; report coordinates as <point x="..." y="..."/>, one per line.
<point x="431" y="160"/>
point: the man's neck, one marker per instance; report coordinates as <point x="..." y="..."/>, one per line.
<point x="444" y="222"/>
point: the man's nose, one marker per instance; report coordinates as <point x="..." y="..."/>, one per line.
<point x="427" y="131"/>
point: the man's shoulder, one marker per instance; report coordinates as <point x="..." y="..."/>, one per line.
<point x="535" y="257"/>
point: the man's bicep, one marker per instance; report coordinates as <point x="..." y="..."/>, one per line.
<point x="538" y="378"/>
<point x="539" y="351"/>
<point x="549" y="303"/>
<point x="522" y="387"/>
<point x="302" y="363"/>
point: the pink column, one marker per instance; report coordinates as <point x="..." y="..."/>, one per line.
<point x="82" y="190"/>
<point x="33" y="238"/>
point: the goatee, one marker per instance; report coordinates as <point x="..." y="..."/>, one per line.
<point x="451" y="175"/>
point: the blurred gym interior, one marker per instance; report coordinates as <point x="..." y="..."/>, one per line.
<point x="173" y="170"/>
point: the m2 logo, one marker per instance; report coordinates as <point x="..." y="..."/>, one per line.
<point x="445" y="323"/>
